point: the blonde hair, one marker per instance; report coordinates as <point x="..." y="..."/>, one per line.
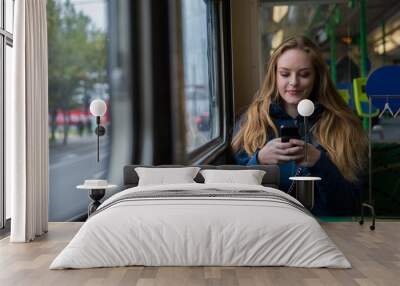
<point x="338" y="130"/>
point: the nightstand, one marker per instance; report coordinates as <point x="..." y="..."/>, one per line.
<point x="305" y="190"/>
<point x="96" y="193"/>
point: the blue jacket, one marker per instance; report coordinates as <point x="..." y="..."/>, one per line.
<point x="334" y="195"/>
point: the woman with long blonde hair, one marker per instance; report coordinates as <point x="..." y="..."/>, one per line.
<point x="337" y="153"/>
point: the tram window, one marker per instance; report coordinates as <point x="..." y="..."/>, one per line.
<point x="202" y="103"/>
<point x="77" y="42"/>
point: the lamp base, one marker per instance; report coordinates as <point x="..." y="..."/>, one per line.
<point x="305" y="190"/>
<point x="96" y="195"/>
<point x="305" y="193"/>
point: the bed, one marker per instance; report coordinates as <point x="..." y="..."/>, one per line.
<point x="201" y="224"/>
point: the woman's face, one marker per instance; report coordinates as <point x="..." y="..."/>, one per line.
<point x="295" y="76"/>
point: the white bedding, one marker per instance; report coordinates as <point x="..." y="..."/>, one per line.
<point x="200" y="231"/>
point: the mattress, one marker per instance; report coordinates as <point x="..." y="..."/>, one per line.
<point x="201" y="225"/>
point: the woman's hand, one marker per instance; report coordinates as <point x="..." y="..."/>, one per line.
<point x="313" y="154"/>
<point x="276" y="152"/>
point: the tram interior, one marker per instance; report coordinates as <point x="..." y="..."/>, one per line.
<point x="176" y="76"/>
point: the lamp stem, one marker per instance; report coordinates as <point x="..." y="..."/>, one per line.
<point x="98" y="137"/>
<point x="305" y="139"/>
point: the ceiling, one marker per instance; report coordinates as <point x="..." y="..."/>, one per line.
<point x="311" y="17"/>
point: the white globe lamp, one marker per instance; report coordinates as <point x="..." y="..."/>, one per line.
<point x="98" y="108"/>
<point x="305" y="184"/>
<point x="305" y="108"/>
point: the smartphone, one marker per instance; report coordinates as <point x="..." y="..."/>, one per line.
<point x="289" y="132"/>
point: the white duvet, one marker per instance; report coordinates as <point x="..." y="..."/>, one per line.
<point x="200" y="231"/>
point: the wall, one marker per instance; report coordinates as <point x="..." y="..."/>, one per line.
<point x="247" y="65"/>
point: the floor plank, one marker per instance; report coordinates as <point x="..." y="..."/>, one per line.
<point x="374" y="255"/>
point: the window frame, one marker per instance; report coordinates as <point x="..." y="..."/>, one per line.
<point x="209" y="151"/>
<point x="6" y="39"/>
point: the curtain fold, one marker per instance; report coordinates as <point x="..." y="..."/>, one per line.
<point x="27" y="135"/>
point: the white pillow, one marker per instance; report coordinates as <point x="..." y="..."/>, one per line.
<point x="163" y="176"/>
<point x="248" y="177"/>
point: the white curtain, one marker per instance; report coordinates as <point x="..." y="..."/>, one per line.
<point x="27" y="123"/>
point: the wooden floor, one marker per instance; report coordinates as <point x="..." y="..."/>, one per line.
<point x="374" y="255"/>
